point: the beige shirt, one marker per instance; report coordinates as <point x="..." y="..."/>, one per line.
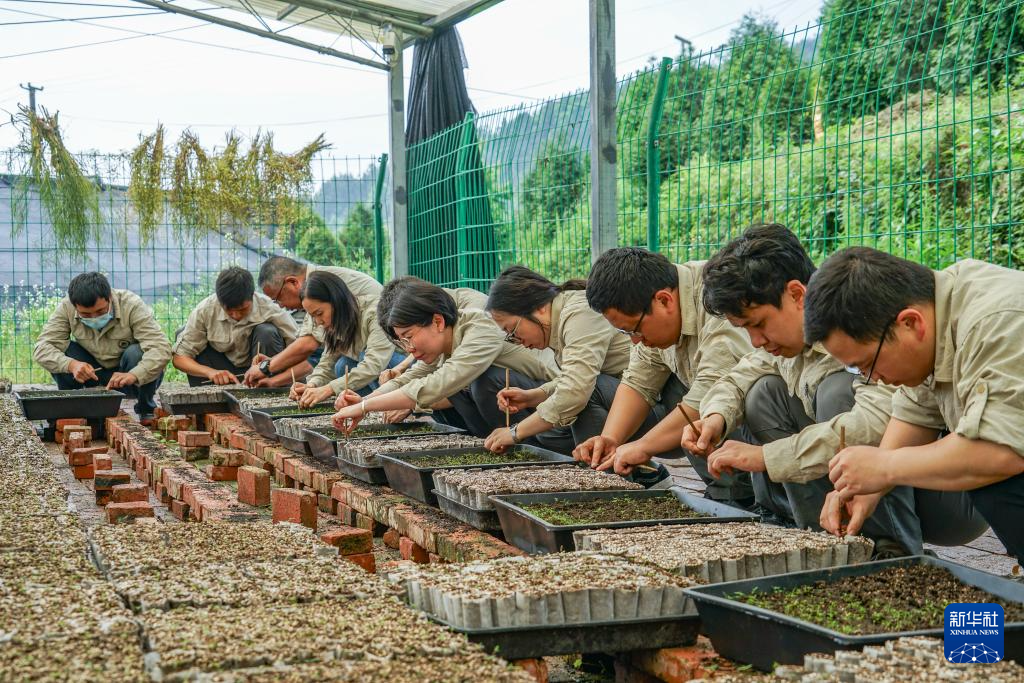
<point x="477" y="344"/>
<point x="708" y="347"/>
<point x="209" y="325"/>
<point x="133" y="323"/>
<point x="977" y="387"/>
<point x="804" y="456"/>
<point x="360" y="284"/>
<point x="466" y="297"/>
<point x="585" y="345"/>
<point x="370" y="340"/>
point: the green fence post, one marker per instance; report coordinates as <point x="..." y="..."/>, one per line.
<point x="461" y="195"/>
<point x="654" y="157"/>
<point x="378" y="218"/>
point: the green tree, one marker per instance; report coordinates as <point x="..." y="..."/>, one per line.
<point x="551" y="191"/>
<point x="982" y="39"/>
<point x="319" y="245"/>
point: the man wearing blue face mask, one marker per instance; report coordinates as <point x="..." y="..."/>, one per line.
<point x="103" y="336"/>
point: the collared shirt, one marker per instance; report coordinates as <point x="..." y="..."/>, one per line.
<point x="209" y="325"/>
<point x="370" y="341"/>
<point x="133" y="323"/>
<point x="477" y="344"/>
<point x="804" y="456"/>
<point x="465" y="297"/>
<point x="360" y="284"/>
<point x="976" y="387"/>
<point x="707" y="348"/>
<point x="585" y="345"/>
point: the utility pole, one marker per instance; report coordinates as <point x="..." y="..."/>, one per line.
<point x="31" y="94"/>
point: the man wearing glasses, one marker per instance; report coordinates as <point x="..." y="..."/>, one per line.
<point x="951" y="341"/>
<point x="679" y="352"/>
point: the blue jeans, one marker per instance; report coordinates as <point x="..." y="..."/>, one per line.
<point x="351" y="363"/>
<point x="145" y="403"/>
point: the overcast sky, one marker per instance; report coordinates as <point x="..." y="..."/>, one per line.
<point x="212" y="79"/>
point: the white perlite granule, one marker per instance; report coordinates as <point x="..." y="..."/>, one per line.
<point x="473" y="487"/>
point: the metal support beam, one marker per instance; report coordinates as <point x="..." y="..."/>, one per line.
<point x="464" y="10"/>
<point x="399" y="193"/>
<point x="330" y="52"/>
<point x="348" y="10"/>
<point x="283" y="14"/>
<point x="604" y="232"/>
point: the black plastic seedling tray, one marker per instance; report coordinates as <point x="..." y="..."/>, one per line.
<point x="624" y="635"/>
<point x="297" y="445"/>
<point x="484" y="520"/>
<point x="534" y="535"/>
<point x="763" y="637"/>
<point x="263" y="418"/>
<point x="404" y="476"/>
<point x="51" y="404"/>
<point x="324" y="447"/>
<point x="371" y="475"/>
<point x="195" y="408"/>
<point x="234" y="396"/>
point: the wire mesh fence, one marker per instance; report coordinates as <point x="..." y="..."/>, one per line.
<point x="175" y="267"/>
<point x="889" y="123"/>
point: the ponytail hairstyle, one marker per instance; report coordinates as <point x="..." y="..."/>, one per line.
<point x="409" y="301"/>
<point x="321" y="285"/>
<point x="520" y="291"/>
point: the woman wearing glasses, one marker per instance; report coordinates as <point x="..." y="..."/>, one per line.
<point x="538" y="314"/>
<point x="461" y="361"/>
<point x="350" y="329"/>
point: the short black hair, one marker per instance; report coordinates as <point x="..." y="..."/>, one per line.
<point x="85" y="288"/>
<point x="409" y="300"/>
<point x="627" y="278"/>
<point x="859" y="291"/>
<point x="520" y="291"/>
<point x="277" y="268"/>
<point x="325" y="286"/>
<point x="234" y="287"/>
<point x="753" y="269"/>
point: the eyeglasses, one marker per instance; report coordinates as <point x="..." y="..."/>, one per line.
<point x="881" y="340"/>
<point x="635" y="332"/>
<point x="279" y="290"/>
<point x="512" y="337"/>
<point x="406" y="343"/>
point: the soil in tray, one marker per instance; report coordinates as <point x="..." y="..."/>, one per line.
<point x="338" y="435"/>
<point x="69" y="393"/>
<point x="471" y="459"/>
<point x="314" y="410"/>
<point x="890" y="601"/>
<point x="624" y="509"/>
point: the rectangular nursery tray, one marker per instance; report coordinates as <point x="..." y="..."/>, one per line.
<point x="236" y="395"/>
<point x="764" y="638"/>
<point x="325" y="448"/>
<point x="263" y="418"/>
<point x="371" y="475"/>
<point x="53" y="405"/>
<point x="297" y="445"/>
<point x="484" y="520"/>
<point x="534" y="535"/>
<point x="624" y="635"/>
<point x="404" y="476"/>
<point x="195" y="408"/>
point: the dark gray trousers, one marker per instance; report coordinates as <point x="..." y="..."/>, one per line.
<point x="264" y="336"/>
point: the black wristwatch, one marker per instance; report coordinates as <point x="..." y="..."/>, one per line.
<point x="265" y="368"/>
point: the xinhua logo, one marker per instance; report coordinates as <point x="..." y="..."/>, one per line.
<point x="974" y="632"/>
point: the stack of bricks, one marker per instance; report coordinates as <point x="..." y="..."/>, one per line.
<point x="224" y="462"/>
<point x="354" y="545"/>
<point x="194" y="445"/>
<point x="170" y="425"/>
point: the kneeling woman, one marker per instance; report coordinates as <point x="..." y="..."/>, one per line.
<point x="350" y="329"/>
<point x="461" y="361"/>
<point x="539" y="314"/>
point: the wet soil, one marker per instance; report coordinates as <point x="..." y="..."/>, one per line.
<point x="471" y="459"/>
<point x="622" y="509"/>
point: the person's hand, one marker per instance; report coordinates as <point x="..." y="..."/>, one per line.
<point x="709" y="433"/>
<point x="499" y="440"/>
<point x="122" y="379"/>
<point x="259" y="358"/>
<point x="220" y="377"/>
<point x="859" y="469"/>
<point x="626" y="458"/>
<point x="253" y="377"/>
<point x="516" y="399"/>
<point x="736" y="455"/>
<point x="313" y="395"/>
<point x="388" y="374"/>
<point x="297" y="390"/>
<point x="82" y="372"/>
<point x="265" y="383"/>
<point x="347" y="398"/>
<point x="846" y="516"/>
<point x="595" y="450"/>
<point x="396" y="416"/>
<point x="347" y="419"/>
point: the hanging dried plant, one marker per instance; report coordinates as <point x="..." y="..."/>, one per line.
<point x="146" y="189"/>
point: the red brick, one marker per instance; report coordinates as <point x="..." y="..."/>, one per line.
<point x="179" y="509"/>
<point x="217" y="473"/>
<point x="253" y="486"/>
<point x="83" y="432"/>
<point x="370" y="524"/>
<point x="327" y="505"/>
<point x="366" y="561"/>
<point x="193" y="439"/>
<point x="193" y="453"/>
<point x="410" y="550"/>
<point x="130" y="493"/>
<point x="349" y="540"/>
<point x="163" y="495"/>
<point x="84" y="471"/>
<point x="120" y="511"/>
<point x="436" y="559"/>
<point x="102" y="462"/>
<point x="392" y="538"/>
<point x="73" y="442"/>
<point x="537" y="668"/>
<point x="70" y="422"/>
<point x="226" y="457"/>
<point x="242" y="440"/>
<point x="624" y="673"/>
<point x="676" y="664"/>
<point x="346" y="514"/>
<point x="292" y="505"/>
<point x="108" y="480"/>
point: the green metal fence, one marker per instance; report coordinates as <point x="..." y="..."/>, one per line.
<point x="341" y="224"/>
<point x="890" y="123"/>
